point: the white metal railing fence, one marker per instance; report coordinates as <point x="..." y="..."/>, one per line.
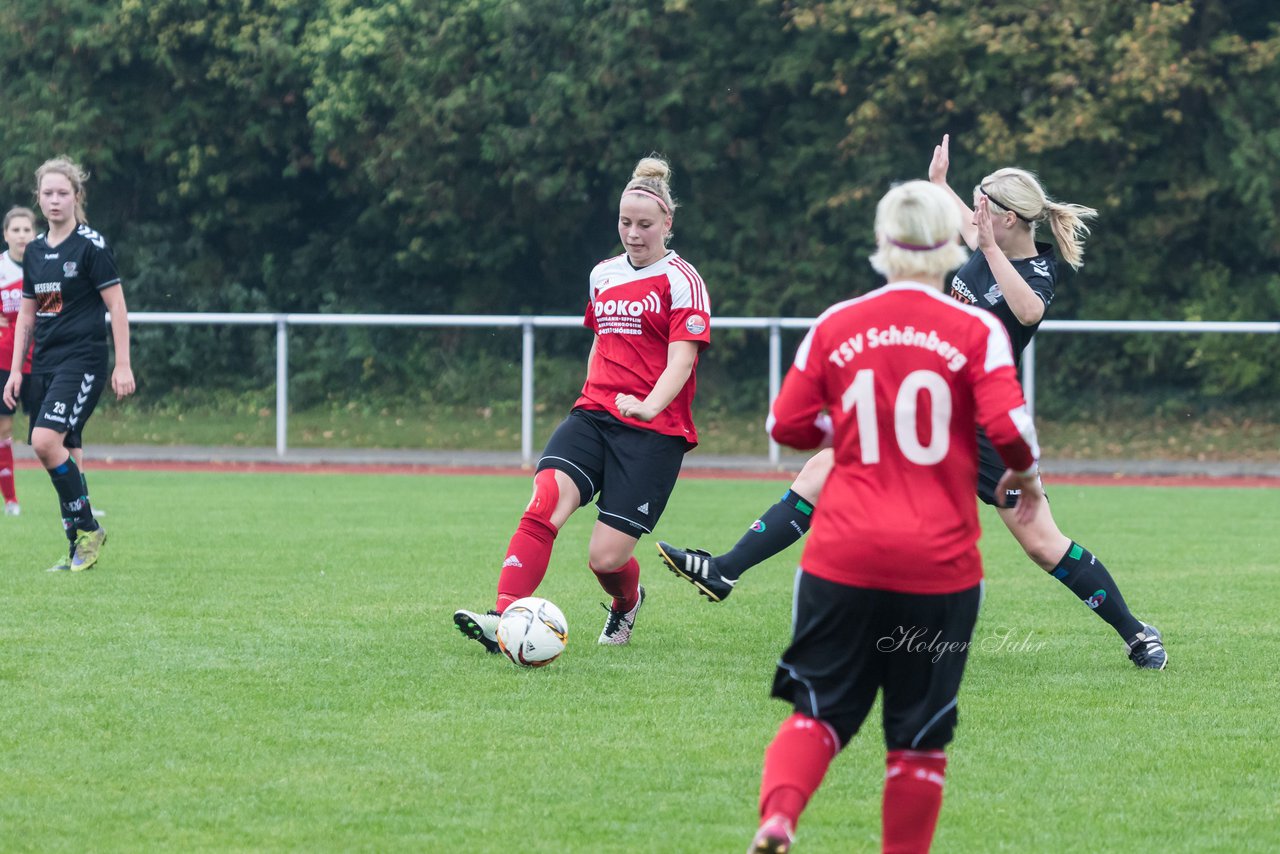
<point x="528" y="324"/>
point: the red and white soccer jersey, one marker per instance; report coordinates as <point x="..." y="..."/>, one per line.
<point x="10" y="303"/>
<point x="635" y="314"/>
<point x="904" y="374"/>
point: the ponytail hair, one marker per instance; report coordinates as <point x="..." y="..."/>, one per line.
<point x="74" y="173"/>
<point x="652" y="179"/>
<point x="1019" y="192"/>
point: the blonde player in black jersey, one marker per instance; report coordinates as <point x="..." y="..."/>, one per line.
<point x="69" y="282"/>
<point x="1013" y="277"/>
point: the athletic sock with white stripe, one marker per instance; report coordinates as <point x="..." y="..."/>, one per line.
<point x="912" y="799"/>
<point x="781" y="525"/>
<point x="1085" y="576"/>
<point x="528" y="556"/>
<point x="794" y="764"/>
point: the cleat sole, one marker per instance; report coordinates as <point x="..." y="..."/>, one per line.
<point x="473" y="631"/>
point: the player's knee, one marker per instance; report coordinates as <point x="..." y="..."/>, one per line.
<point x="910" y="737"/>
<point x="546" y="497"/>
<point x="609" y="557"/>
<point x="808" y="484"/>
<point x="48" y="446"/>
<point x="1046" y="553"/>
<point x="828" y="731"/>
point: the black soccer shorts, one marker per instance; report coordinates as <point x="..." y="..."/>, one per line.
<point x="632" y="470"/>
<point x="848" y="643"/>
<point x="64" y="400"/>
<point x="990" y="469"/>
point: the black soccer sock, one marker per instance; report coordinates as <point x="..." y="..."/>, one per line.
<point x="76" y="513"/>
<point x="1085" y="576"/>
<point x="781" y="525"/>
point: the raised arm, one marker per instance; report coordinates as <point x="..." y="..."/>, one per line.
<point x="797" y="417"/>
<point x="1025" y="303"/>
<point x="938" y="168"/>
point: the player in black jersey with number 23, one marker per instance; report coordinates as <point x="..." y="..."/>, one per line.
<point x="69" y="282"/>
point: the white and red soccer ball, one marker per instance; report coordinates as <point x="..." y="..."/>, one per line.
<point x="532" y="632"/>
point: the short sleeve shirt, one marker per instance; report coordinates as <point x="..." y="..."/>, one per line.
<point x="904" y="373"/>
<point x="635" y="315"/>
<point x="974" y="284"/>
<point x="66" y="283"/>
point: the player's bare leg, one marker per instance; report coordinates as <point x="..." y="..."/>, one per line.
<point x="1086" y="576"/>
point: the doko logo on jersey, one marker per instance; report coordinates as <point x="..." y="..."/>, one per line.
<point x="11" y="299"/>
<point x="628" y="308"/>
<point x="622" y="317"/>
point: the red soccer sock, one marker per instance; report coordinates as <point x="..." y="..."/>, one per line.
<point x="794" y="765"/>
<point x="912" y="799"/>
<point x="7" y="488"/>
<point x="622" y="584"/>
<point x="527" y="558"/>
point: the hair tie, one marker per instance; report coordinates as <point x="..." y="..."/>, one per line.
<point x="984" y="192"/>
<point x="916" y="247"/>
<point x="641" y="191"/>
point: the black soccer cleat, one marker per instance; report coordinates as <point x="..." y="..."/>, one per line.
<point x="1146" y="649"/>
<point x="479" y="627"/>
<point x="699" y="569"/>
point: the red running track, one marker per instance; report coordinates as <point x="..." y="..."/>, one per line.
<point x="689" y="472"/>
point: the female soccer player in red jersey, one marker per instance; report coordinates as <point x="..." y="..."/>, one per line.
<point x="69" y="282"/>
<point x="1013" y="277"/>
<point x="19" y="229"/>
<point x="628" y="432"/>
<point x="890" y="582"/>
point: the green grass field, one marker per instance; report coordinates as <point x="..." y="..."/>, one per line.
<point x="268" y="663"/>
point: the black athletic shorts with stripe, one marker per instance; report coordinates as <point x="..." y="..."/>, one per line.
<point x="632" y="470"/>
<point x="63" y="401"/>
<point x="848" y="643"/>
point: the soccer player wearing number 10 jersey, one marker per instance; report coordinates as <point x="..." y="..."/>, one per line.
<point x="890" y="581"/>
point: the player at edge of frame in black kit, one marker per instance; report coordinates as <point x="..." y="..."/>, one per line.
<point x="69" y="283"/>
<point x="1013" y="277"/>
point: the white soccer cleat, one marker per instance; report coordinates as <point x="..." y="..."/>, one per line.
<point x="618" y="625"/>
<point x="480" y="627"/>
